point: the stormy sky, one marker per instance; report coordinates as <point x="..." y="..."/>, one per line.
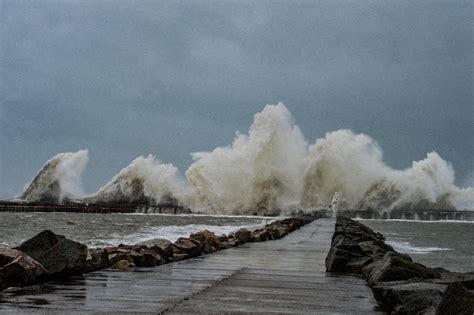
<point x="129" y="78"/>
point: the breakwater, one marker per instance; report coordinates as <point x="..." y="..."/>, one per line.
<point x="7" y="206"/>
<point x="400" y="285"/>
<point x="48" y="256"/>
<point x="410" y="214"/>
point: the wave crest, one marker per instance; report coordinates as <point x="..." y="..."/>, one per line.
<point x="272" y="169"/>
<point x="58" y="179"/>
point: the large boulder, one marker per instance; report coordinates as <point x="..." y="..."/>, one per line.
<point x="457" y="299"/>
<point x="345" y="255"/>
<point x="209" y="241"/>
<point x="97" y="259"/>
<point x="409" y="298"/>
<point x="243" y="235"/>
<point x="160" y="242"/>
<point x="185" y="248"/>
<point x="260" y="235"/>
<point x="19" y="269"/>
<point x="276" y="231"/>
<point x="228" y="242"/>
<point x="394" y="266"/>
<point x="58" y="255"/>
<point x="375" y="248"/>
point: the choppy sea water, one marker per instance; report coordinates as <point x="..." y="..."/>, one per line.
<point x="113" y="229"/>
<point x="447" y="244"/>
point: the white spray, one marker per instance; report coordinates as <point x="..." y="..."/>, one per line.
<point x="59" y="178"/>
<point x="145" y="180"/>
<point x="274" y="169"/>
<point x="261" y="171"/>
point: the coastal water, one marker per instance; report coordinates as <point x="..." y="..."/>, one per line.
<point x="447" y="244"/>
<point x="114" y="229"/>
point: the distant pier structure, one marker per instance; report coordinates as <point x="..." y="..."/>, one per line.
<point x="411" y="214"/>
<point x="10" y="206"/>
<point x="408" y="214"/>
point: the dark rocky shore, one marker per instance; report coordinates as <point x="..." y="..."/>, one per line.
<point x="48" y="256"/>
<point x="400" y="285"/>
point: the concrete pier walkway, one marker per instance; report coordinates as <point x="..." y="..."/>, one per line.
<point x="283" y="276"/>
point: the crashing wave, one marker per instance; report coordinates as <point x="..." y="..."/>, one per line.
<point x="145" y="181"/>
<point x="272" y="169"/>
<point x="58" y="179"/>
<point x="261" y="171"/>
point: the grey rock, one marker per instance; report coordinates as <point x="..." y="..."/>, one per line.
<point x="243" y="235"/>
<point x="456" y="300"/>
<point x="393" y="267"/>
<point x="185" y="248"/>
<point x="409" y="298"/>
<point x="19" y="269"/>
<point x="97" y="259"/>
<point x="209" y="241"/>
<point x="58" y="255"/>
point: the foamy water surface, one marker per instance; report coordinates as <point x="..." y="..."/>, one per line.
<point x="113" y="229"/>
<point x="446" y="244"/>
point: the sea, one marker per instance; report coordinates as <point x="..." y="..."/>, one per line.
<point x="447" y="244"/>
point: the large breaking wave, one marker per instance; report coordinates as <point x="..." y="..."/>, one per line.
<point x="59" y="178"/>
<point x="271" y="169"/>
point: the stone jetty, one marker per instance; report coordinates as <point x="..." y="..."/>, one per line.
<point x="400" y="285"/>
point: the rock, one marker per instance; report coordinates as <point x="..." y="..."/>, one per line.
<point x="58" y="255"/>
<point x="97" y="259"/>
<point x="164" y="255"/>
<point x="185" y="248"/>
<point x="229" y="243"/>
<point x="466" y="279"/>
<point x="19" y="269"/>
<point x="120" y="255"/>
<point x="151" y="259"/>
<point x="243" y="235"/>
<point x="7" y="255"/>
<point x="355" y="231"/>
<point x="122" y="265"/>
<point x="376" y="248"/>
<point x="337" y="259"/>
<point x="275" y="231"/>
<point x="347" y="244"/>
<point x="209" y="241"/>
<point x="409" y="298"/>
<point x="394" y="266"/>
<point x="355" y="265"/>
<point x="292" y="223"/>
<point x="456" y="299"/>
<point x="137" y="258"/>
<point x="160" y="242"/>
<point x="223" y="238"/>
<point x="260" y="235"/>
<point x="346" y="255"/>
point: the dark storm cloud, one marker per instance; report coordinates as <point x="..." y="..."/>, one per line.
<point x="125" y="78"/>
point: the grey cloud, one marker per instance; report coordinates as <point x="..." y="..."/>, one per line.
<point x="182" y="76"/>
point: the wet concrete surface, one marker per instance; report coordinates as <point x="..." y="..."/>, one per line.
<point x="283" y="276"/>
